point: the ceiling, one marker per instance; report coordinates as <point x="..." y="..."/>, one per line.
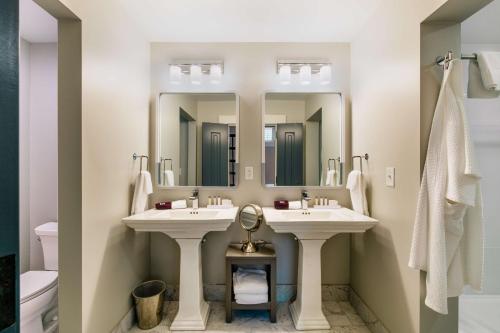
<point x="484" y="26"/>
<point x="250" y="20"/>
<point x="35" y="24"/>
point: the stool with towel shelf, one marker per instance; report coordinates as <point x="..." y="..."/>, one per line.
<point x="266" y="257"/>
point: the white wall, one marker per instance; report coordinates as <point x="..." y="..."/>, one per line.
<point x="38" y="146"/>
<point x="250" y="70"/>
<point x="484" y="117"/>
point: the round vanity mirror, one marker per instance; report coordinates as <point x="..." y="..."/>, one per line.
<point x="250" y="217"/>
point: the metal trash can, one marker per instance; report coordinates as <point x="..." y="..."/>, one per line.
<point x="148" y="298"/>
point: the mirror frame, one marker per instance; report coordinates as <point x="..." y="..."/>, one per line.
<point x="157" y="141"/>
<point x="342" y="145"/>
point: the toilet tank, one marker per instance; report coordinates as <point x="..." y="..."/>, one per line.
<point x="48" y="237"/>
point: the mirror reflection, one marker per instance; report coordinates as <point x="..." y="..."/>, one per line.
<point x="303" y="139"/>
<point x="197" y="139"/>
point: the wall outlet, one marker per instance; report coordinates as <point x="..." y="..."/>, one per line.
<point x="248" y="173"/>
<point x="390" y="180"/>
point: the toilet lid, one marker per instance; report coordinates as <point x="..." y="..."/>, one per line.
<point x="35" y="283"/>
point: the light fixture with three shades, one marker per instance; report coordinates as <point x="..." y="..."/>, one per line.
<point x="306" y="70"/>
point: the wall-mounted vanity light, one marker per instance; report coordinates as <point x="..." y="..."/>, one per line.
<point x="306" y="69"/>
<point x="196" y="70"/>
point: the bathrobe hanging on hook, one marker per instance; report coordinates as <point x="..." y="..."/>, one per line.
<point x="448" y="233"/>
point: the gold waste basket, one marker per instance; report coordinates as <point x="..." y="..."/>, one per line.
<point x="148" y="298"/>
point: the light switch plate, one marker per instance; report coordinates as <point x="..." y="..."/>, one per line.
<point x="248" y="173"/>
<point x="390" y="180"/>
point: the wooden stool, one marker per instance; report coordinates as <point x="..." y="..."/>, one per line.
<point x="235" y="257"/>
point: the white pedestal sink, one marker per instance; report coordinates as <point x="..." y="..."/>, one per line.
<point x="187" y="227"/>
<point x="313" y="227"/>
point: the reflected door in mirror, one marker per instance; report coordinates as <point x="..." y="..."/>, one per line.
<point x="290" y="152"/>
<point x="215" y="150"/>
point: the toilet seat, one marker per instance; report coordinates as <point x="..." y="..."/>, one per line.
<point x="36" y="283"/>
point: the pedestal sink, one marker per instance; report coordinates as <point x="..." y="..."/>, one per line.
<point x="187" y="227"/>
<point x="313" y="227"/>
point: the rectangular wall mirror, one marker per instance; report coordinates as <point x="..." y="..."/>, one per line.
<point x="303" y="139"/>
<point x="197" y="139"/>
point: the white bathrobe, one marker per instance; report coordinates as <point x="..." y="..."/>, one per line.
<point x="448" y="232"/>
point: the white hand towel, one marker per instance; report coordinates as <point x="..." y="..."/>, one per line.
<point x="249" y="281"/>
<point x="251" y="298"/>
<point x="169" y="178"/>
<point x="143" y="187"/>
<point x="357" y="187"/>
<point x="489" y="64"/>
<point x="179" y="204"/>
<point x="294" y="205"/>
<point x="448" y="236"/>
<point x="330" y="178"/>
<point x="475" y="87"/>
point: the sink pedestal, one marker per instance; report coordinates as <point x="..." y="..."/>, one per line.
<point x="306" y="311"/>
<point x="313" y="227"/>
<point x="193" y="310"/>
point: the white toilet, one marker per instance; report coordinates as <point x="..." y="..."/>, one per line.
<point x="39" y="288"/>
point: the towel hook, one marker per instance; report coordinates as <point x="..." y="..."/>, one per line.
<point x="361" y="157"/>
<point x="136" y="156"/>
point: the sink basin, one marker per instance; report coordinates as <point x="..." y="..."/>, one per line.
<point x="183" y="223"/>
<point x="313" y="227"/>
<point x="317" y="223"/>
<point x="187" y="227"/>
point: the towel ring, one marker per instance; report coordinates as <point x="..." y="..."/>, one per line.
<point x="361" y="157"/>
<point x="136" y="156"/>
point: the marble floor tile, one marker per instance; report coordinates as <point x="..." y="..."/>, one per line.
<point x="341" y="316"/>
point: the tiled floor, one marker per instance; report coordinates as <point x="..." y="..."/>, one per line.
<point x="341" y="315"/>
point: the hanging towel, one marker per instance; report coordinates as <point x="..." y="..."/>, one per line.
<point x="143" y="187"/>
<point x="251" y="298"/>
<point x="330" y="178"/>
<point x="357" y="187"/>
<point x="448" y="236"/>
<point x="475" y="87"/>
<point x="489" y="64"/>
<point x="169" y="178"/>
<point x="250" y="281"/>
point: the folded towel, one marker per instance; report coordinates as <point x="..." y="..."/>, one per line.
<point x="475" y="87"/>
<point x="357" y="187"/>
<point x="143" y="187"/>
<point x="169" y="178"/>
<point x="179" y="204"/>
<point x="294" y="205"/>
<point x="251" y="298"/>
<point x="330" y="178"/>
<point x="250" y="281"/>
<point x="489" y="65"/>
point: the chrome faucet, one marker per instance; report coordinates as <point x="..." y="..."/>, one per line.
<point x="194" y="199"/>
<point x="305" y="199"/>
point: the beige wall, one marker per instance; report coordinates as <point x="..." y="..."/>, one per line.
<point x="385" y="124"/>
<point x="114" y="120"/>
<point x="391" y="121"/>
<point x="249" y="71"/>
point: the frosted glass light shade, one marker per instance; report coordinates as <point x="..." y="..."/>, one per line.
<point x="325" y="74"/>
<point x="305" y="75"/>
<point x="195" y="72"/>
<point x="285" y="74"/>
<point x="175" y="74"/>
<point x="215" y="74"/>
